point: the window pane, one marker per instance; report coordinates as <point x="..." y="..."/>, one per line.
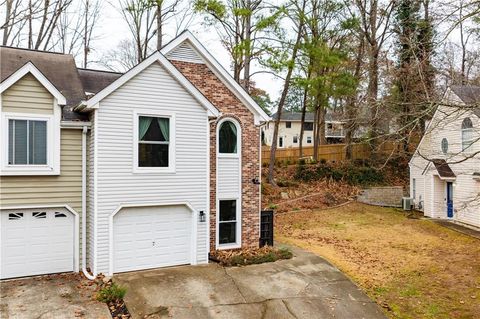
<point x="152" y="155"/>
<point x="153" y="129"/>
<point x="228" y="210"/>
<point x="37" y="142"/>
<point x="226" y="233"/>
<point x="20" y="142"/>
<point x="228" y="138"/>
<point x="308" y="126"/>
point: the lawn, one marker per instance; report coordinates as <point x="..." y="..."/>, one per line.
<point x="412" y="267"/>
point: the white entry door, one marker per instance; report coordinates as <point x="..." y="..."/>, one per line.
<point x="152" y="237"/>
<point x="36" y="241"/>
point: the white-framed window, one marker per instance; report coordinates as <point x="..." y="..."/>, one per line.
<point x="31" y="144"/>
<point x="280" y="141"/>
<point x="467" y="133"/>
<point x="154" y="143"/>
<point x="228" y="223"/>
<point x="309" y="139"/>
<point x="288" y="124"/>
<point x="228" y="137"/>
<point x="295" y="139"/>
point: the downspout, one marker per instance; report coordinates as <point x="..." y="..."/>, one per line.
<point x="84" y="205"/>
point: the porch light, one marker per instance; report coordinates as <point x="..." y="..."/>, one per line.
<point x="202" y="216"/>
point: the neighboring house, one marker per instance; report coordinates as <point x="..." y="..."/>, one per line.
<point x="290" y="125"/>
<point x="445" y="169"/>
<point x="119" y="172"/>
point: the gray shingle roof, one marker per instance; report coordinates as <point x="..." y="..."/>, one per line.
<point x="443" y="168"/>
<point x="94" y="81"/>
<point x="469" y="94"/>
<point x="59" y="69"/>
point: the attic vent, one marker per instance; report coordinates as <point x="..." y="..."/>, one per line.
<point x="184" y="52"/>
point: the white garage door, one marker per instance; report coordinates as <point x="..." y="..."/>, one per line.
<point x="36" y="241"/>
<point x="151" y="237"/>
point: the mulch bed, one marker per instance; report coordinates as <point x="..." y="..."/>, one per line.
<point x="249" y="256"/>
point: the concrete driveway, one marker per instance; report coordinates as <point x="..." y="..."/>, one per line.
<point x="52" y="296"/>
<point x="304" y="287"/>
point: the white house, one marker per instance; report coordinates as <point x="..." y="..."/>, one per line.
<point x="118" y="172"/>
<point x="445" y="168"/>
<point x="290" y="125"/>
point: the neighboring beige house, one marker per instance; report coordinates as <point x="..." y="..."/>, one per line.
<point x="445" y="169"/>
<point x="290" y="125"/>
<point x="118" y="172"/>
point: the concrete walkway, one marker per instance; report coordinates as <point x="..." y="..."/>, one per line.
<point x="51" y="296"/>
<point x="304" y="287"/>
<point x="459" y="228"/>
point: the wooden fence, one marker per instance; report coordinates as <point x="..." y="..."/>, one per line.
<point x="329" y="152"/>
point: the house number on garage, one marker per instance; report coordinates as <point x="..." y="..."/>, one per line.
<point x="153" y="243"/>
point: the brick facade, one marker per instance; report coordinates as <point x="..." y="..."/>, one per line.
<point x="229" y="105"/>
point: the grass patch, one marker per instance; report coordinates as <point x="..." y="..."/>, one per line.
<point x="111" y="293"/>
<point x="413" y="268"/>
<point x="251" y="256"/>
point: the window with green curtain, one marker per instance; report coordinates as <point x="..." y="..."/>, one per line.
<point x="153" y="141"/>
<point x="27" y="142"/>
<point x="227" y="138"/>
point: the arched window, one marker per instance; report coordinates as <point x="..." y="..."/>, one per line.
<point x="467" y="133"/>
<point x="227" y="142"/>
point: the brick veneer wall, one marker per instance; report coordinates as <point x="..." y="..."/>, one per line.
<point x="229" y="105"/>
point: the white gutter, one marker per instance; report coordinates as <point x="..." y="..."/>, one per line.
<point x="84" y="205"/>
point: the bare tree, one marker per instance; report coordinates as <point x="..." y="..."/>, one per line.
<point x="298" y="18"/>
<point x="375" y="23"/>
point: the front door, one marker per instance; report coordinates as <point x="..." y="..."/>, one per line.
<point x="449" y="199"/>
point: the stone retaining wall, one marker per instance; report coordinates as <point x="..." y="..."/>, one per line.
<point x="390" y="196"/>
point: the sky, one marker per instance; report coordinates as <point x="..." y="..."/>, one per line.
<point x="112" y="29"/>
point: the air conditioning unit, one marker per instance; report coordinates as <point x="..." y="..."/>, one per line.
<point x="407" y="203"/>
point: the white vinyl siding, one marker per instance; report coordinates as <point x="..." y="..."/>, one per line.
<point x="151" y="91"/>
<point x="185" y="52"/>
<point x="447" y="123"/>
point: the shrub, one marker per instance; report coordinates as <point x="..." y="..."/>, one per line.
<point x="349" y="173"/>
<point x="111" y="293"/>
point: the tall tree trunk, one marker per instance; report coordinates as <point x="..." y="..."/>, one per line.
<point x="159" y="25"/>
<point x="302" y="121"/>
<point x="283" y="98"/>
<point x="86" y="49"/>
<point x="351" y="106"/>
<point x="8" y="22"/>
<point x="30" y="27"/>
<point x="248" y="49"/>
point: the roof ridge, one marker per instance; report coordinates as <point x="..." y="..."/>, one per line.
<point x="103" y="71"/>
<point x="34" y="50"/>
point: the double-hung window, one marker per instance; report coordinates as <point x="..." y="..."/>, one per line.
<point x="27" y="142"/>
<point x="154" y="143"/>
<point x="227" y="223"/>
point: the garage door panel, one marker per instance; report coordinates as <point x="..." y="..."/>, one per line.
<point x="36" y="242"/>
<point x="151" y="237"/>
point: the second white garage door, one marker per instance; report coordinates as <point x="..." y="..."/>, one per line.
<point x="151" y="237"/>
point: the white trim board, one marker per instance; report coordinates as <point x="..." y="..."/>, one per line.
<point x="193" y="253"/>
<point x="155" y="57"/>
<point x="220" y="72"/>
<point x="29" y="67"/>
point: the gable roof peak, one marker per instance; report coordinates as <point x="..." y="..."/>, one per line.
<point x="219" y="71"/>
